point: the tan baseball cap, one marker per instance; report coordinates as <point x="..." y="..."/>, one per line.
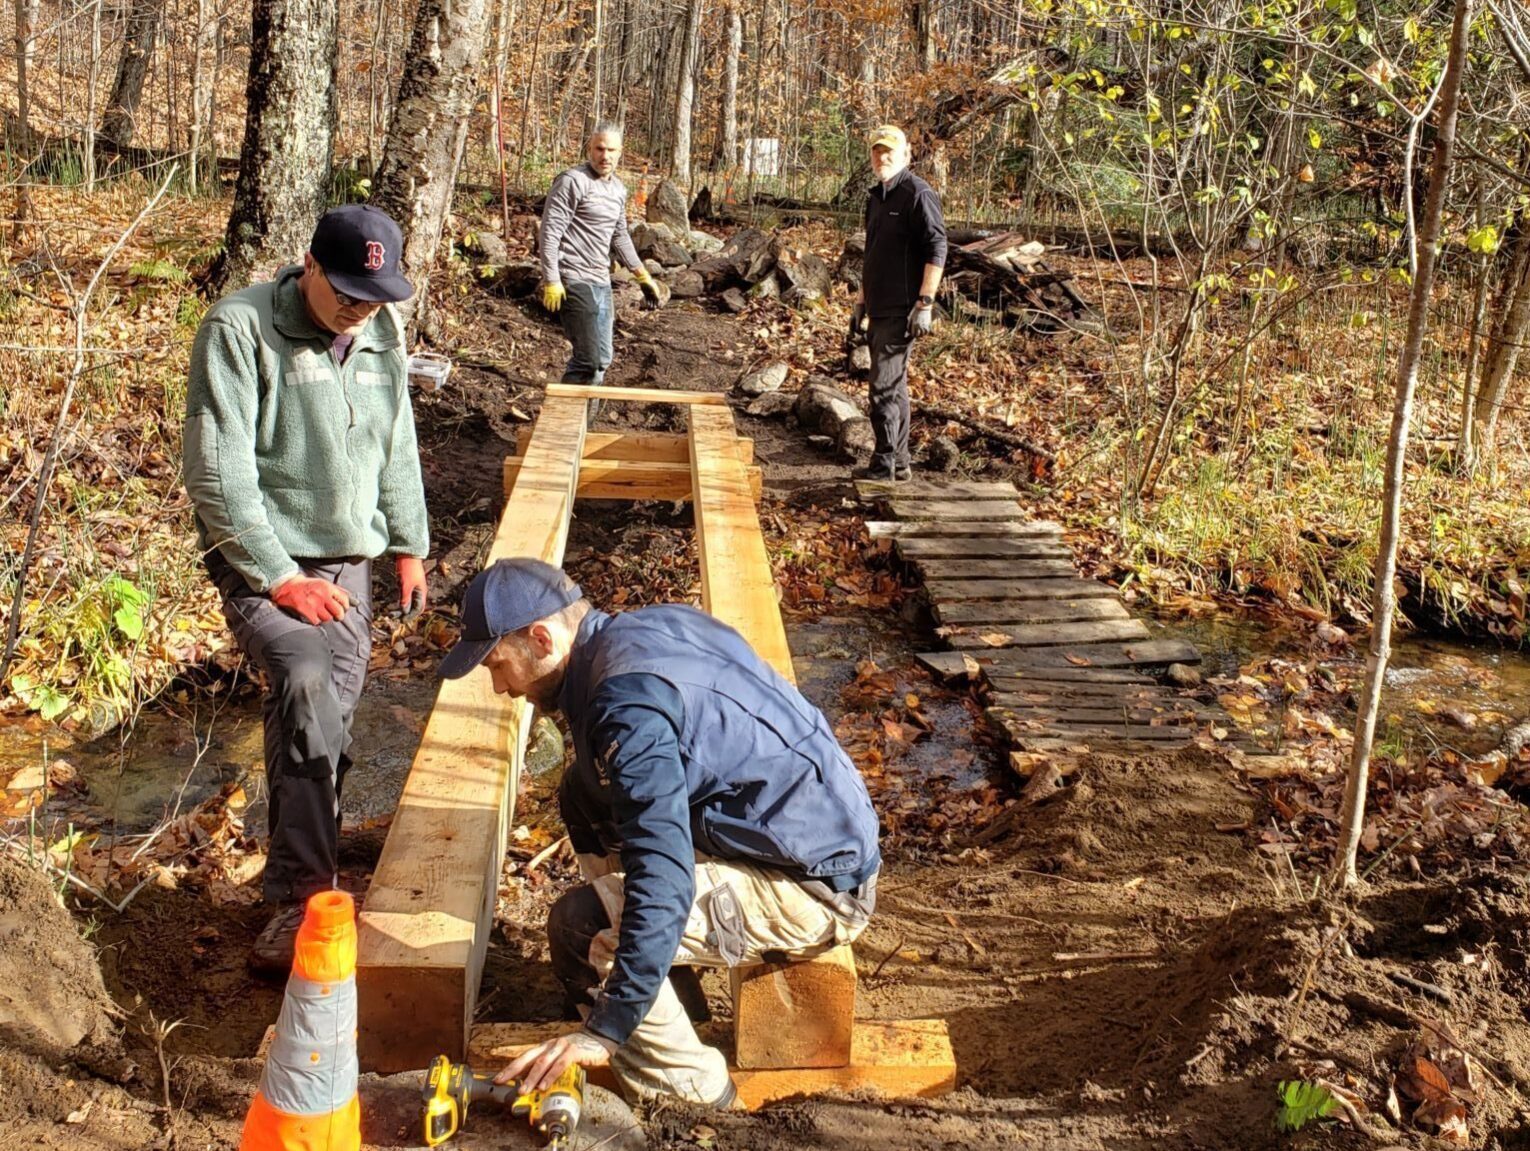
<point x="889" y="136"/>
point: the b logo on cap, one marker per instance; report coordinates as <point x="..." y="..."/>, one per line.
<point x="374" y="256"/>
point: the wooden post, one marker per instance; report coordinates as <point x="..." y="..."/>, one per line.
<point x="796" y="1014"/>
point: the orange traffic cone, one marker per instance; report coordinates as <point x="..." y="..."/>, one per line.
<point x="307" y="1098"/>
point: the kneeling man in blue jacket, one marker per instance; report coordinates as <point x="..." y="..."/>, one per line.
<point x="715" y="817"/>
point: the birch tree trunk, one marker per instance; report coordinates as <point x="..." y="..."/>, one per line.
<point x="428" y="130"/>
<point x="204" y="43"/>
<point x="92" y="82"/>
<point x="727" y="148"/>
<point x="1510" y="328"/>
<point x="685" y="95"/>
<point x="26" y="33"/>
<point x="284" y="164"/>
<point x="121" y="120"/>
<point x="1352" y="818"/>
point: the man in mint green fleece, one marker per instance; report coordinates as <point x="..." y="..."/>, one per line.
<point x="301" y="462"/>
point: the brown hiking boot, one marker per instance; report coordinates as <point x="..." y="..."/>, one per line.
<point x="274" y="947"/>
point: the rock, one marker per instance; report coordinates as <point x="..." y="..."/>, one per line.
<point x="645" y="234"/>
<point x="748" y="256"/>
<point x="670" y="255"/>
<point x="666" y="205"/>
<point x="821" y="408"/>
<point x="860" y="360"/>
<point x="517" y="278"/>
<point x="654" y="267"/>
<point x="856" y="439"/>
<point x="824" y="442"/>
<point x="804" y="277"/>
<point x="942" y="454"/>
<point x="489" y="246"/>
<point x="699" y="241"/>
<point x="734" y="300"/>
<point x="848" y="270"/>
<point x="766" y="379"/>
<point x="701" y="206"/>
<point x="1182" y="675"/>
<point x="767" y="289"/>
<point x="684" y="284"/>
<point x="772" y="404"/>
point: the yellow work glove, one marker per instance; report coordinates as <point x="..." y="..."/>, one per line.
<point x="650" y="290"/>
<point x="552" y="296"/>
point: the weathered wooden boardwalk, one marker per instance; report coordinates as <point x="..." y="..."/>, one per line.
<point x="1066" y="663"/>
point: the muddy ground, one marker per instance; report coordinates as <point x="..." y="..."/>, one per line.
<point x="1118" y="965"/>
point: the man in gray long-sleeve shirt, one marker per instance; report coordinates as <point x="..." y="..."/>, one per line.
<point x="583" y="223"/>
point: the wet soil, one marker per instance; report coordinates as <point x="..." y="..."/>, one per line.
<point x="1117" y="964"/>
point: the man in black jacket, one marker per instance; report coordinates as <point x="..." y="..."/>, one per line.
<point x="905" y="256"/>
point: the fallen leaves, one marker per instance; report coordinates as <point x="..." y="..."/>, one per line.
<point x="1439" y="1079"/>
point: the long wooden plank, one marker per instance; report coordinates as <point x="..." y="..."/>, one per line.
<point x="655" y="447"/>
<point x="900" y="1058"/>
<point x="996" y="547"/>
<point x="969" y="612"/>
<point x="1047" y="634"/>
<point x="912" y="509"/>
<point x="1147" y="653"/>
<point x="424" y="926"/>
<point x="1045" y="688"/>
<point x="634" y="395"/>
<point x="1018" y="729"/>
<point x="936" y="489"/>
<point x="607" y="479"/>
<point x="1019" y="529"/>
<point x="1068" y="714"/>
<point x="941" y="568"/>
<point x="736" y="581"/>
<point x="1000" y="669"/>
<point x="1018" y="589"/>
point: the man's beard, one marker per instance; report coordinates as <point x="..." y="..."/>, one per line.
<point x="544" y="690"/>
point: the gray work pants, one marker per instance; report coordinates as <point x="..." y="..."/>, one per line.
<point x="740" y="915"/>
<point x="314" y="676"/>
<point x="890" y="345"/>
<point x="588" y="317"/>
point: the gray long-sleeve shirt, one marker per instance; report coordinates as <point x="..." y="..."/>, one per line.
<point x="584" y="221"/>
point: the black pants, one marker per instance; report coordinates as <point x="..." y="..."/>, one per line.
<point x="890" y="344"/>
<point x="314" y="675"/>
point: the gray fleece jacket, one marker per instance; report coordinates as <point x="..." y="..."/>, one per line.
<point x="290" y="454"/>
<point x="583" y="222"/>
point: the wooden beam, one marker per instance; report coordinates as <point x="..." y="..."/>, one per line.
<point x="800" y="1013"/>
<point x="1018" y="589"/>
<point x="982" y="635"/>
<point x="898" y="1058"/>
<point x="634" y="395"/>
<point x="736" y="581"/>
<point x="989" y="547"/>
<point x="615" y="479"/>
<point x="936" y="489"/>
<point x="970" y="612"/>
<point x="983" y="510"/>
<point x="654" y="447"/>
<point x="1147" y="653"/>
<point x="996" y="569"/>
<point x="424" y="926"/>
<point x="1021" y="529"/>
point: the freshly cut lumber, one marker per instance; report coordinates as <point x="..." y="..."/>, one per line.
<point x="654" y="447"/>
<point x="736" y="581"/>
<point x="615" y="479"/>
<point x="1019" y="529"/>
<point x="942" y="568"/>
<point x="424" y="926"/>
<point x="898" y="1058"/>
<point x="996" y="547"/>
<point x="1147" y="653"/>
<point x="937" y="489"/>
<point x="1047" y="634"/>
<point x="795" y="1014"/>
<point x="986" y="510"/>
<point x="967" y="613"/>
<point x="944" y="589"/>
<point x="634" y="395"/>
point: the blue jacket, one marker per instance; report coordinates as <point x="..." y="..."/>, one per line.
<point x="686" y="741"/>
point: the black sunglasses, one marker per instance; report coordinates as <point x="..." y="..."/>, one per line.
<point x="340" y="297"/>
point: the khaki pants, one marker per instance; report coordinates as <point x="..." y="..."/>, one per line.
<point x="739" y="914"/>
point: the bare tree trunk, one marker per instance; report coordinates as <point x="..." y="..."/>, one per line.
<point x="26" y="32"/>
<point x="921" y="15"/>
<point x="685" y="95"/>
<point x="597" y="93"/>
<point x="92" y="82"/>
<point x="203" y="40"/>
<point x="284" y="165"/>
<point x="1512" y="310"/>
<point x="429" y="128"/>
<point x="727" y="151"/>
<point x="121" y="118"/>
<point x="1352" y="818"/>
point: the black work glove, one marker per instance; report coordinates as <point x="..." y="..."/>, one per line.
<point x="921" y="320"/>
<point x="857" y="318"/>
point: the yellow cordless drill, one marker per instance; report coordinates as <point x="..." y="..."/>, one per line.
<point x="451" y="1087"/>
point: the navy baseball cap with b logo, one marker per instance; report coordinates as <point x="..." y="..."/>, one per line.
<point x="358" y="247"/>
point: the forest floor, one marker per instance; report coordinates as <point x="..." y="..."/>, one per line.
<point x="1136" y="961"/>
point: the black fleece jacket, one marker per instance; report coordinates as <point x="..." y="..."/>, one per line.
<point x="904" y="231"/>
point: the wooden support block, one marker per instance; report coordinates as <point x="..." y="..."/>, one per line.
<point x="608" y="479"/>
<point x="981" y="547"/>
<point x="424" y="925"/>
<point x="1018" y="589"/>
<point x="653" y="447"/>
<point x="795" y="1014"/>
<point x="904" y="1058"/>
<point x="737" y="585"/>
<point x="967" y="612"/>
<point x="985" y="510"/>
<point x="935" y="528"/>
<point x="982" y="635"/>
<point x="1027" y="568"/>
<point x="634" y="395"/>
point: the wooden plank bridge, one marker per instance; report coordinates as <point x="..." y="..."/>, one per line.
<point x="425" y="922"/>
